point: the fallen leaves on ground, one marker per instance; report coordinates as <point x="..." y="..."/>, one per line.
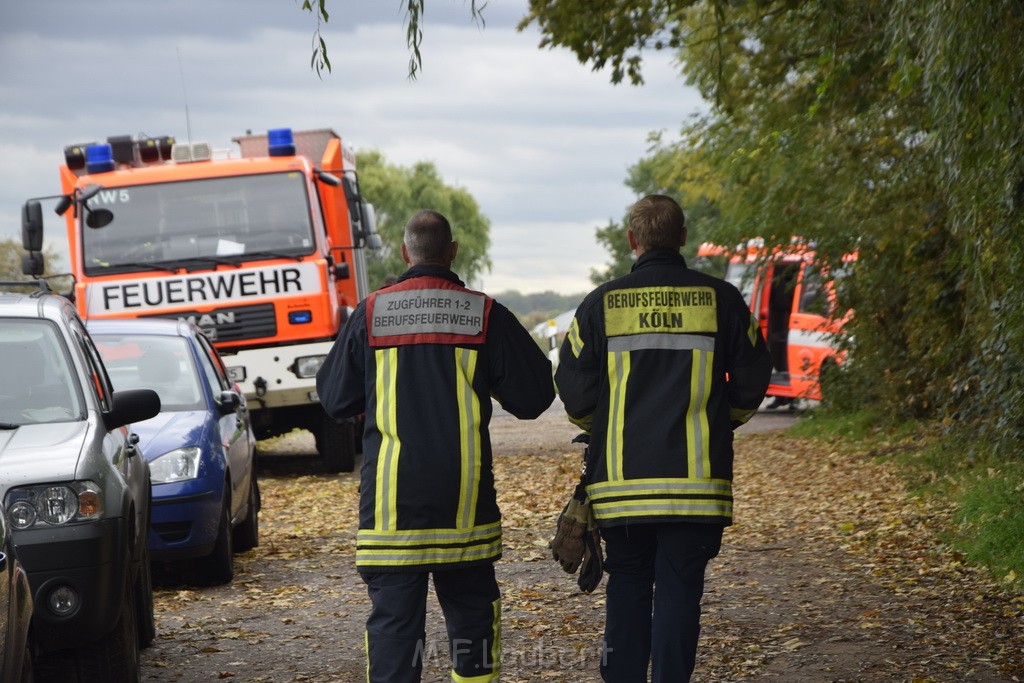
<point x="832" y="572"/>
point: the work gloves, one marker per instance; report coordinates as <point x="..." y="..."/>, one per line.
<point x="577" y="541"/>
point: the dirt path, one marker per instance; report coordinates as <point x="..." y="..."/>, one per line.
<point x="828" y="575"/>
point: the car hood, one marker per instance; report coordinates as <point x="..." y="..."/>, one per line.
<point x="41" y="452"/>
<point x="170" y="430"/>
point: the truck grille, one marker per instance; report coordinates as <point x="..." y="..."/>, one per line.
<point x="232" y="323"/>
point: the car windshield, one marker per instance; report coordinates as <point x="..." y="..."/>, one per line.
<point x="37" y="382"/>
<point x="163" y="364"/>
<point x="199" y="223"/>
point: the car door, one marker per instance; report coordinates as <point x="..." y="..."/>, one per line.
<point x="235" y="431"/>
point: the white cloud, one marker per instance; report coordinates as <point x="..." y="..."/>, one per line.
<point x="541" y="142"/>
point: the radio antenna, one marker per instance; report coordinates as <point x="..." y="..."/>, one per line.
<point x="184" y="94"/>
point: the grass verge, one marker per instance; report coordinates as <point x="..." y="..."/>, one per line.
<point x="988" y="493"/>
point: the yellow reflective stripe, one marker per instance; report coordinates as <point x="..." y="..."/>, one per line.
<point x="698" y="440"/>
<point x="386" y="494"/>
<point x="582" y="422"/>
<point x="663" y="507"/>
<point x="618" y="376"/>
<point x="574" y="339"/>
<point x="366" y="645"/>
<point x="469" y="436"/>
<point x="421" y="537"/>
<point x="752" y="331"/>
<point x="402" y="557"/>
<point x="658" y="487"/>
<point x="493" y="676"/>
<point x="660" y="309"/>
<point x="496" y="637"/>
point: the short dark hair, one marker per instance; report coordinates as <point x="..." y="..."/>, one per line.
<point x="428" y="237"/>
<point x="657" y="222"/>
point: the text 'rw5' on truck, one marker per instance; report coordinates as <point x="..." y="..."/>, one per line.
<point x="265" y="251"/>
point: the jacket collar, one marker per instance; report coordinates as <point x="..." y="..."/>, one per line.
<point x="431" y="271"/>
<point x="659" y="257"/>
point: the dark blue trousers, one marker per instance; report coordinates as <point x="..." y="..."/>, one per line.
<point x="655" y="585"/>
<point x="396" y="644"/>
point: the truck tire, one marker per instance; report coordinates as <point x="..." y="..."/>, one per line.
<point x="336" y="446"/>
<point x="114" y="657"/>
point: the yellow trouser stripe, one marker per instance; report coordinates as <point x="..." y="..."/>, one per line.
<point x="366" y="645"/>
<point x="618" y="376"/>
<point x="496" y="631"/>
<point x="698" y="441"/>
<point x="469" y="436"/>
<point x="386" y="511"/>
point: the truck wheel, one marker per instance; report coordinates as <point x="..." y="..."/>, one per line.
<point x="115" y="657"/>
<point x="335" y="445"/>
<point x="219" y="566"/>
<point x="247" y="534"/>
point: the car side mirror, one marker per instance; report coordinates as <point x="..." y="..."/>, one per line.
<point x="131" y="405"/>
<point x="228" y="402"/>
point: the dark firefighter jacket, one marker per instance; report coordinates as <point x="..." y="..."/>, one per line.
<point x="422" y="358"/>
<point x="660" y="366"/>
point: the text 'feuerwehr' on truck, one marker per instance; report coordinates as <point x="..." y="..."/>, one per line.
<point x="264" y="249"/>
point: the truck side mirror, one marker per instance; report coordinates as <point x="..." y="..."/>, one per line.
<point x="342" y="271"/>
<point x="32" y="226"/>
<point x="32" y="263"/>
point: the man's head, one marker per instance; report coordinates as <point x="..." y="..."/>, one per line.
<point x="656" y="222"/>
<point x="428" y="240"/>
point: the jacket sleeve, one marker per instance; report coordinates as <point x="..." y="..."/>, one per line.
<point x="579" y="368"/>
<point x="520" y="372"/>
<point x="748" y="363"/>
<point x="340" y="382"/>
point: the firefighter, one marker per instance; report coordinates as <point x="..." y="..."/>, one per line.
<point x="422" y="358"/>
<point x="660" y="366"/>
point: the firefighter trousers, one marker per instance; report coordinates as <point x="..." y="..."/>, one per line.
<point x="655" y="585"/>
<point x="396" y="646"/>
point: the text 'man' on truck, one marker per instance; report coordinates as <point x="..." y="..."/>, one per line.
<point x="792" y="295"/>
<point x="265" y="250"/>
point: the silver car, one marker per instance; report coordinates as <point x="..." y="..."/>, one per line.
<point x="76" y="489"/>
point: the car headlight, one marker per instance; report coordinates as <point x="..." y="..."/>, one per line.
<point x="177" y="465"/>
<point x="54" y="505"/>
<point x="307" y="366"/>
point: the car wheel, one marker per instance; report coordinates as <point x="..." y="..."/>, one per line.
<point x="219" y="566"/>
<point x="247" y="534"/>
<point x="115" y="657"/>
<point x="335" y="445"/>
<point x="144" y="602"/>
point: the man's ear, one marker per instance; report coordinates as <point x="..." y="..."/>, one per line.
<point x="682" y="238"/>
<point x="454" y="251"/>
<point x="632" y="240"/>
<point x="405" y="255"/>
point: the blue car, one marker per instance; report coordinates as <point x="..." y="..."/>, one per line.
<point x="200" y="447"/>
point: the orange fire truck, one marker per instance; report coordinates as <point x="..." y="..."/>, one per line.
<point x="264" y="249"/>
<point x="792" y="295"/>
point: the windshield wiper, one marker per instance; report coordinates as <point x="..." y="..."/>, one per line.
<point x="125" y="267"/>
<point x="192" y="261"/>
<point x="8" y="425"/>
<point x="273" y="254"/>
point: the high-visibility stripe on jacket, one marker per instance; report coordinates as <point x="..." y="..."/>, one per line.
<point x="422" y="359"/>
<point x="660" y="366"/>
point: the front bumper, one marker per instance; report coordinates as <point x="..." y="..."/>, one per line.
<point x="184" y="520"/>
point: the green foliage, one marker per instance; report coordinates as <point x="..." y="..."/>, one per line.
<point x="548" y="303"/>
<point x="10" y="265"/>
<point x="397" y="192"/>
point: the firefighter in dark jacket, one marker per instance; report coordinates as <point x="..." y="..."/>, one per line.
<point x="422" y="359"/>
<point x="660" y="366"/>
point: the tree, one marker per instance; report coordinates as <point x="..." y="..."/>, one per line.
<point x="397" y="192"/>
<point x="414" y="10"/>
<point x="10" y="264"/>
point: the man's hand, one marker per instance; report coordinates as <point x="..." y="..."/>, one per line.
<point x="568" y="545"/>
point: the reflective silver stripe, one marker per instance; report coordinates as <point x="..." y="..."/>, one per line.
<point x="415" y="537"/>
<point x="618" y="369"/>
<point x="720" y="508"/>
<point x="658" y="487"/>
<point x="697" y="441"/>
<point x="387" y="457"/>
<point x="469" y="419"/>
<point x="427" y="311"/>
<point x="671" y="342"/>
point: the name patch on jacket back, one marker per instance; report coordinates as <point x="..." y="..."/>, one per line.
<point x="645" y="310"/>
<point x="427" y="311"/>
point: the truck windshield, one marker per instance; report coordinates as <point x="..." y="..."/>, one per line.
<point x="199" y="222"/>
<point x="37" y="384"/>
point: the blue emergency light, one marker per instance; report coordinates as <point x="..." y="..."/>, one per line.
<point x="280" y="142"/>
<point x="99" y="158"/>
<point x="300" y="317"/>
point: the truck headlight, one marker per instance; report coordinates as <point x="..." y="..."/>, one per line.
<point x="54" y="505"/>
<point x="307" y="366"/>
<point x="177" y="465"/>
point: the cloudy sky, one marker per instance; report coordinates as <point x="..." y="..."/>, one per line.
<point x="540" y="141"/>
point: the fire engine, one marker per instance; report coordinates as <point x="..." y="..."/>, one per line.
<point x="792" y="295"/>
<point x="263" y="247"/>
